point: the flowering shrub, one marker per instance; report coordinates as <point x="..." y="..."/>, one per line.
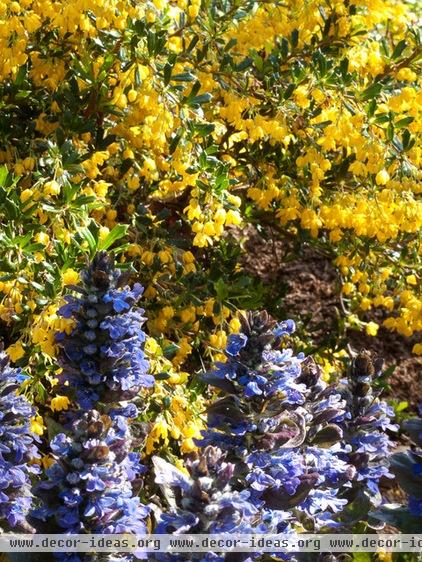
<point x="17" y="450"/>
<point x="280" y="449"/>
<point x="167" y="131"/>
<point x="158" y="127"/>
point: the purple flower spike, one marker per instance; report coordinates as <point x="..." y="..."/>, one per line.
<point x="17" y="449"/>
<point x="103" y="356"/>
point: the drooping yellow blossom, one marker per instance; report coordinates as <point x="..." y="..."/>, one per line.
<point x="59" y="403"/>
<point x="15" y="351"/>
<point x="37" y="425"/>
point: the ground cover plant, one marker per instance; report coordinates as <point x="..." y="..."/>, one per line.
<point x="250" y="173"/>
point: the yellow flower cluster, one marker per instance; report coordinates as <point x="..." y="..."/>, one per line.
<point x="371" y="208"/>
<point x="209" y="221"/>
<point x="182" y="417"/>
<point x="46" y="326"/>
<point x="183" y="420"/>
<point x="137" y="113"/>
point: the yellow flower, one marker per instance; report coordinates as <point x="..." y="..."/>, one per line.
<point x="235" y="325"/>
<point x="179" y="464"/>
<point x="384" y="556"/>
<point x="167" y="312"/>
<point x="301" y="96"/>
<point x="318" y="95"/>
<point x="178" y="378"/>
<point x="365" y="303"/>
<point x="42" y="238"/>
<point x="234" y="199"/>
<point x="26" y="194"/>
<point x="411" y="279"/>
<point x="158" y="433"/>
<point x="382" y="177"/>
<point x="347" y="288"/>
<point x="147" y="257"/>
<point x="233" y="217"/>
<point x="103" y="233"/>
<point x="47" y="461"/>
<point x="417" y="348"/>
<point x="37" y="425"/>
<point x="372" y="328"/>
<point x="15" y="351"/>
<point x="188" y="445"/>
<point x="51" y="188"/>
<point x="132" y="95"/>
<point x="151" y="346"/>
<point x="165" y="256"/>
<point x="59" y="403"/>
<point x="70" y="277"/>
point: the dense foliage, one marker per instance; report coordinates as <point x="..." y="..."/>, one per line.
<point x="168" y="131"/>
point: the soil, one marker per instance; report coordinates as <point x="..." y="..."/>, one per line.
<point x="308" y="289"/>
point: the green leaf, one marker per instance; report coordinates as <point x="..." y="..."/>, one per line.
<point x="20" y="76"/>
<point x="284" y="48"/>
<point x="195" y="89"/>
<point x="344" y="66"/>
<point x="87" y="236"/>
<point x="372" y="107"/>
<point x="289" y="91"/>
<point x="204" y="129"/>
<point x="244" y="64"/>
<point x="167" y="73"/>
<point x="170" y="351"/>
<point x="175" y="140"/>
<point x="12" y="210"/>
<point x="389" y="133"/>
<point x="371" y="92"/>
<point x="3" y="176"/>
<point x="183" y="77"/>
<point x="401" y="406"/>
<point x="221" y="290"/>
<point x="119" y="231"/>
<point x="403" y="122"/>
<point x="405" y="139"/>
<point x="192" y="44"/>
<point x="201" y="99"/>
<point x="398" y="49"/>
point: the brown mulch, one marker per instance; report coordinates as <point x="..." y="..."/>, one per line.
<point x="308" y="289"/>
